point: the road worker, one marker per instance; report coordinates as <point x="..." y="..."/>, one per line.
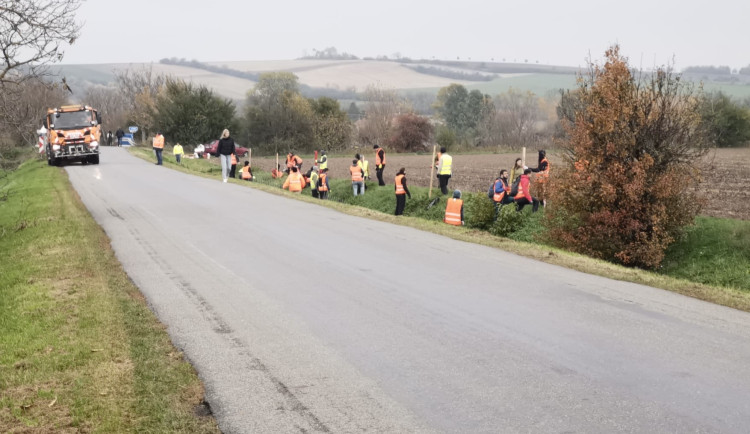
<point x="323" y="187"/>
<point x="233" y="167"/>
<point x="379" y="163"/>
<point x="358" y="178"/>
<point x="542" y="176"/>
<point x="323" y="162"/>
<point x="178" y="152"/>
<point x="295" y="182"/>
<point x="454" y="210"/>
<point x="401" y="191"/>
<point x="314" y="179"/>
<point x="444" y="170"/>
<point x="158" y="144"/>
<point x="500" y="190"/>
<point x="293" y="160"/>
<point x="516" y="171"/>
<point x="523" y="197"/>
<point x="247" y="173"/>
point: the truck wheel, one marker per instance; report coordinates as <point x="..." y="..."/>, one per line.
<point x="94" y="159"/>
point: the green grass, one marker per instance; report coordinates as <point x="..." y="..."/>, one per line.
<point x="79" y="348"/>
<point x="715" y="251"/>
<point x="378" y="203"/>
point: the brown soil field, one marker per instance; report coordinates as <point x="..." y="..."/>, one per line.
<point x="726" y="174"/>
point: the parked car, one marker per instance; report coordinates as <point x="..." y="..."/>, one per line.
<point x="212" y="148"/>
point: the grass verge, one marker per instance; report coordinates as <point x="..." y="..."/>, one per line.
<point x="702" y="280"/>
<point x="79" y="348"/>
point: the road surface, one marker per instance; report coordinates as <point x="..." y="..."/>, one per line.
<point x="302" y="319"/>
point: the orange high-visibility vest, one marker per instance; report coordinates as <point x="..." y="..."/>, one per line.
<point x="159" y="141"/>
<point x="356" y="172"/>
<point x="498" y="197"/>
<point x="453" y="212"/>
<point x="296" y="182"/>
<point x="322" y="186"/>
<point x="543" y="175"/>
<point x="246" y="173"/>
<point x="378" y="161"/>
<point x="234" y="159"/>
<point x="289" y="161"/>
<point x="399" y="185"/>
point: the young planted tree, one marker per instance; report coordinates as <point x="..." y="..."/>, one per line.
<point x="632" y="151"/>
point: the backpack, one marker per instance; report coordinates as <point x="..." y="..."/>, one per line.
<point x="491" y="191"/>
<point x="514" y="187"/>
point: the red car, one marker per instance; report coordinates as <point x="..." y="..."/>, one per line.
<point x="212" y="148"/>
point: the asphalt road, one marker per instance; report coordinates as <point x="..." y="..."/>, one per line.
<point x="302" y="319"/>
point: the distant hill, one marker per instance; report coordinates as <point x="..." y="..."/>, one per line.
<point x="343" y="79"/>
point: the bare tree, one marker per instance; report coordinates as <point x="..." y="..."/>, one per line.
<point x="111" y="104"/>
<point x="517" y="114"/>
<point x="32" y="34"/>
<point x="382" y="106"/>
<point x="139" y="88"/>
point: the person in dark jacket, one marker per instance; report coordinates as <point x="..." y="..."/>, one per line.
<point x="119" y="134"/>
<point x="542" y="171"/>
<point x="225" y="149"/>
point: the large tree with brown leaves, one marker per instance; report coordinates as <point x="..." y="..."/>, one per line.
<point x="632" y="145"/>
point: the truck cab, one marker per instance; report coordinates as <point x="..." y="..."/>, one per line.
<point x="74" y="134"/>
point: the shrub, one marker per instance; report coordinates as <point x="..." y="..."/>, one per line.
<point x="625" y="190"/>
<point x="508" y="221"/>
<point x="479" y="211"/>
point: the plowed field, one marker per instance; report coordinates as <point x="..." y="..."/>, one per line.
<point x="726" y="175"/>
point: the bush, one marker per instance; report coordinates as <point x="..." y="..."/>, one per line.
<point x="626" y="189"/>
<point x="479" y="211"/>
<point x="508" y="221"/>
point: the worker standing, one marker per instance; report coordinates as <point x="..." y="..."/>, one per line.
<point x="323" y="186"/>
<point x="323" y="162"/>
<point x="158" y="144"/>
<point x="379" y="163"/>
<point x="401" y="191"/>
<point x="358" y="178"/>
<point x="178" y="152"/>
<point x="314" y="178"/>
<point x="293" y="160"/>
<point x="295" y="182"/>
<point x="444" y="170"/>
<point x="454" y="210"/>
<point x="542" y="171"/>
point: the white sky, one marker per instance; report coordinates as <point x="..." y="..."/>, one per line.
<point x="552" y="32"/>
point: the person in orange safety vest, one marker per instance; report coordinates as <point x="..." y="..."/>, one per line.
<point x="454" y="210"/>
<point x="295" y="182"/>
<point x="523" y="197"/>
<point x="247" y="173"/>
<point x="158" y="144"/>
<point x="358" y="178"/>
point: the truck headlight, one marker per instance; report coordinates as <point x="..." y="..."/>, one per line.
<point x="93" y="144"/>
<point x="55" y="147"/>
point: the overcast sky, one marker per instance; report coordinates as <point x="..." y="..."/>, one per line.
<point x="552" y="32"/>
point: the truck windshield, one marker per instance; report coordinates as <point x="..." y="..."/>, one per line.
<point x="71" y="120"/>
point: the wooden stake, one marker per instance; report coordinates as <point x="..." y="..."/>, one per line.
<point x="277" y="161"/>
<point x="432" y="170"/>
<point x="250" y="156"/>
<point x="523" y="156"/>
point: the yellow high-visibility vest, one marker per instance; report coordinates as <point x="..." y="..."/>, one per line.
<point x="447" y="162"/>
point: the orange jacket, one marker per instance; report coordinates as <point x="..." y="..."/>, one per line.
<point x="246" y="173"/>
<point x="453" y="212"/>
<point x="159" y="141"/>
<point x="295" y="182"/>
<point x="323" y="182"/>
<point x="357" y="173"/>
<point x="378" y="161"/>
<point x="524" y="189"/>
<point x="234" y="159"/>
<point x="400" y="185"/>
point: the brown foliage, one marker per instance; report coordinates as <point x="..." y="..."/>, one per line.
<point x="411" y="132"/>
<point x="631" y="157"/>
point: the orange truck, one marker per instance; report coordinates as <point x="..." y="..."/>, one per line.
<point x="73" y="134"/>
